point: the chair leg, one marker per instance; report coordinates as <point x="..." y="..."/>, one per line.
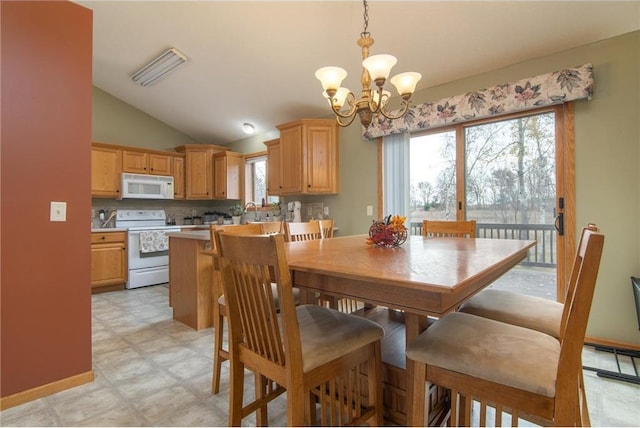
<point x="374" y="383"/>
<point x="236" y="393"/>
<point x="218" y="338"/>
<point x="416" y="379"/>
<point x="296" y="402"/>
<point x="262" y="418"/>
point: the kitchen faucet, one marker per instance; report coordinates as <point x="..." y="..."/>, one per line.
<point x="256" y="209"/>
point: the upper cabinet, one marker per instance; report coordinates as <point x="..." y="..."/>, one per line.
<point x="106" y="169"/>
<point x="309" y="149"/>
<point x="198" y="174"/>
<point x="146" y="162"/>
<point x="178" y="176"/>
<point x="228" y="175"/>
<point x="273" y="167"/>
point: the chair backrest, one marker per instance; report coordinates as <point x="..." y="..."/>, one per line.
<point x="239" y="229"/>
<point x="326" y="226"/>
<point x="576" y="310"/>
<point x="249" y="264"/>
<point x="272" y="227"/>
<point x="302" y="231"/>
<point x="456" y="229"/>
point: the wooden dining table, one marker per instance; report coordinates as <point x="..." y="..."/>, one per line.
<point x="424" y="277"/>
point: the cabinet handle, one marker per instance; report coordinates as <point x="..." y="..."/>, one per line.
<point x="103" y="238"/>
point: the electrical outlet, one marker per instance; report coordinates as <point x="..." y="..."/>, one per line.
<point x="326" y="211"/>
<point x="309" y="212"/>
<point x="369" y="210"/>
<point x="58" y="211"/>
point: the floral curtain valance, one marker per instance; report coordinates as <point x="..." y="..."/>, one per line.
<point x="539" y="91"/>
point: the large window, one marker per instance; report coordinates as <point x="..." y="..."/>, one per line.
<point x="501" y="172"/>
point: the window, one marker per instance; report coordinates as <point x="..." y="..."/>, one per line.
<point x="256" y="179"/>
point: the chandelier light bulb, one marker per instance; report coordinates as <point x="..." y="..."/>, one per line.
<point x="406" y="83"/>
<point x="338" y="100"/>
<point x="379" y="66"/>
<point x="331" y="78"/>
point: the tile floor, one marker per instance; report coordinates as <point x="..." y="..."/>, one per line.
<point x="153" y="371"/>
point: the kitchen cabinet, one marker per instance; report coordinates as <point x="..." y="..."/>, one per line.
<point x="108" y="260"/>
<point x="309" y="149"/>
<point x="228" y="175"/>
<point x="106" y="169"/>
<point x="198" y="173"/>
<point x="273" y="167"/>
<point x="178" y="177"/>
<point x="145" y="162"/>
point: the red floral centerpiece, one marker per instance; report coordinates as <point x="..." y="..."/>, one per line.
<point x="390" y="232"/>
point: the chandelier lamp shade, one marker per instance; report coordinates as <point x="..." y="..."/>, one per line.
<point x="376" y="69"/>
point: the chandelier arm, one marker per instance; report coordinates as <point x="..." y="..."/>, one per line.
<point x="348" y="121"/>
<point x="351" y="102"/>
<point x="405" y="107"/>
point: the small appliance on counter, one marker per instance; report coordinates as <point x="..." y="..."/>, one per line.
<point x="293" y="211"/>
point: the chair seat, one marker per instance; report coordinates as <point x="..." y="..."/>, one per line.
<point x="327" y="334"/>
<point x="531" y="312"/>
<point x="274" y="288"/>
<point x="494" y="351"/>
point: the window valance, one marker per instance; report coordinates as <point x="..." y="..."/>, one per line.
<point x="539" y="91"/>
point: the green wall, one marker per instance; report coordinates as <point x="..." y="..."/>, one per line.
<point x="607" y="139"/>
<point x="117" y="122"/>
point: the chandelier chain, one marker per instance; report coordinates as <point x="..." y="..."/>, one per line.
<point x="365" y="16"/>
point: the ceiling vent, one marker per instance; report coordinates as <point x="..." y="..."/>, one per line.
<point x="159" y="67"/>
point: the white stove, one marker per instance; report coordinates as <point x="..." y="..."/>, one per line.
<point x="148" y="246"/>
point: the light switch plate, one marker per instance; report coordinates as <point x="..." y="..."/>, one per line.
<point x="58" y="211"/>
<point x="369" y="210"/>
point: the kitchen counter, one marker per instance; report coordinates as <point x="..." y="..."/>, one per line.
<point x="190" y="278"/>
<point x="108" y="229"/>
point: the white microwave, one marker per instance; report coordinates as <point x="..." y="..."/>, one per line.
<point x="141" y="186"/>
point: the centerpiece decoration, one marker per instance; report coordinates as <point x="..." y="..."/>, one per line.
<point x="389" y="233"/>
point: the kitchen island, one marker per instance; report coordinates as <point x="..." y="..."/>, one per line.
<point x="190" y="278"/>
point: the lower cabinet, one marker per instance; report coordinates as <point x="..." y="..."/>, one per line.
<point x="108" y="261"/>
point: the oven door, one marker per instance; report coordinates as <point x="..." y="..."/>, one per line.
<point x="146" y="265"/>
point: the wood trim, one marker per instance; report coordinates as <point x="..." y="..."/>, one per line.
<point x="45" y="390"/>
<point x="611" y="343"/>
<point x="255" y="155"/>
<point x="461" y="209"/>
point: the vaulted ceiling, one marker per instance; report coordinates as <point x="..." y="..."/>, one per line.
<point x="255" y="61"/>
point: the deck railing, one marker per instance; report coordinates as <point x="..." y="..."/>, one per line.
<point x="543" y="254"/>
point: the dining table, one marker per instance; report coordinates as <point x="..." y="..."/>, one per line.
<point x="414" y="284"/>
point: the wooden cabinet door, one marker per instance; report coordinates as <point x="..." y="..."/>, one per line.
<point x="291" y="160"/>
<point x="160" y="164"/>
<point x="321" y="159"/>
<point x="273" y="167"/>
<point x="106" y="169"/>
<point x="135" y="162"/>
<point x="198" y="174"/>
<point x="178" y="177"/>
<point x="228" y="172"/>
<point x="108" y="258"/>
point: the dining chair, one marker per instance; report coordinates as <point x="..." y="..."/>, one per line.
<point x="532" y="312"/>
<point x="312" y="352"/>
<point x="302" y="231"/>
<point x="220" y="354"/>
<point x="326" y="225"/>
<point x="456" y="229"/>
<point x="272" y="227"/>
<point x="315" y="229"/>
<point x="524" y="372"/>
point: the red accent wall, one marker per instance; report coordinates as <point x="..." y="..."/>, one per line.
<point x="45" y="143"/>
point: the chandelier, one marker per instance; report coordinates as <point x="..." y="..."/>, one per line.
<point x="373" y="100"/>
